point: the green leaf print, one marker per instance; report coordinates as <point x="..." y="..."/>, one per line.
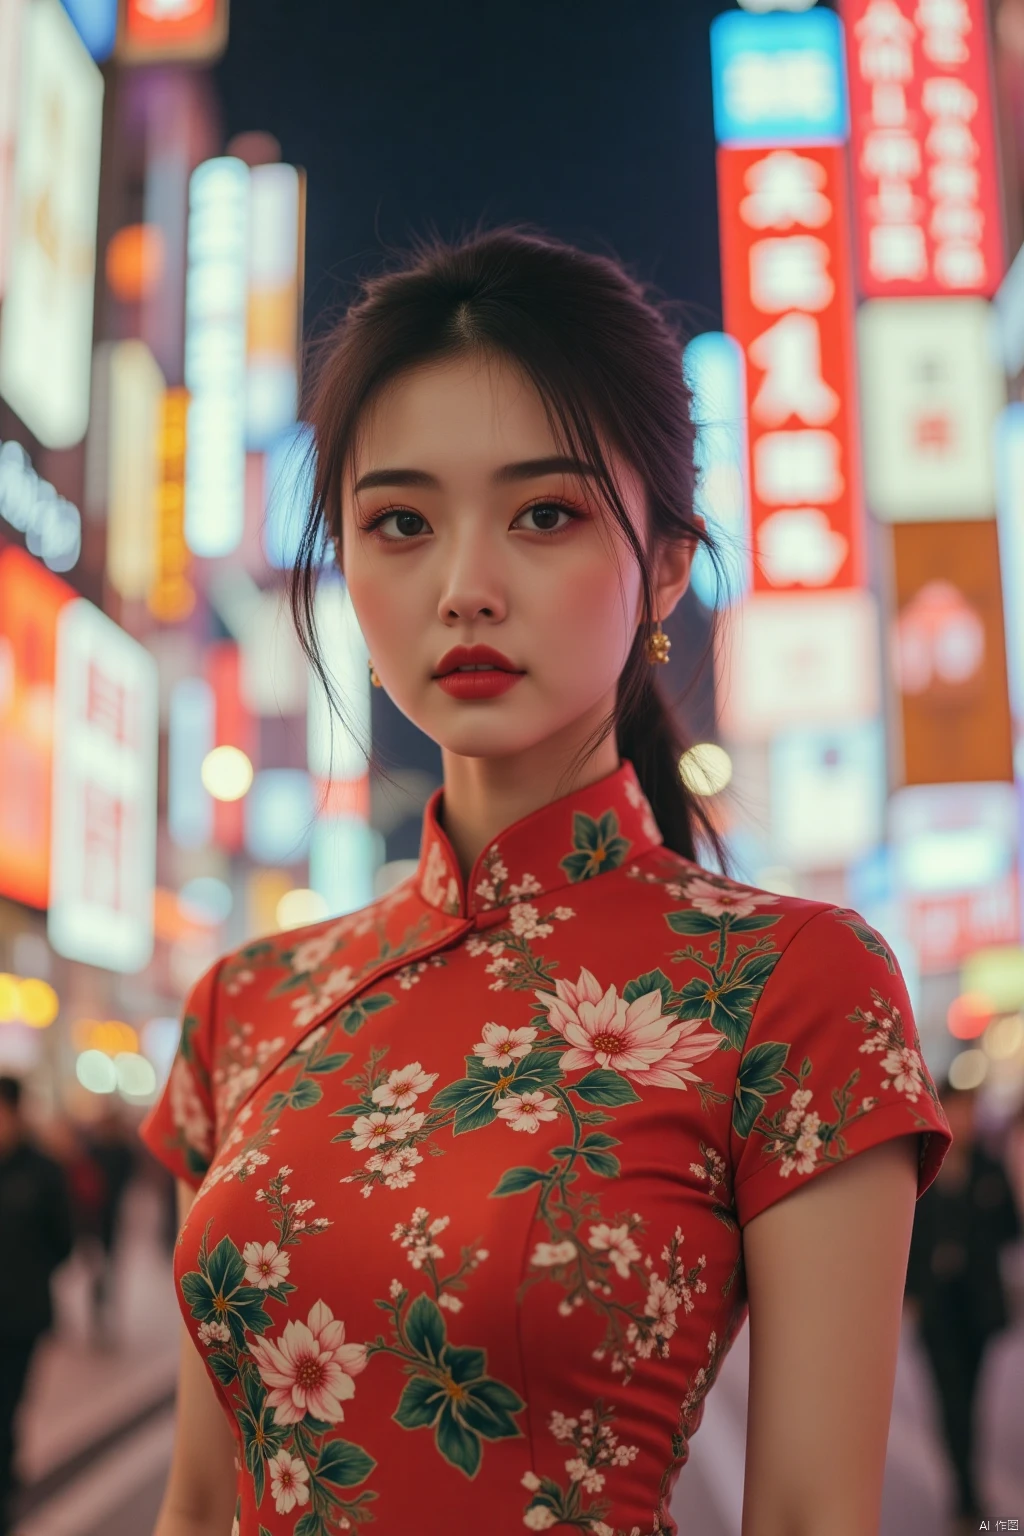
<point x="756" y="1080"/>
<point x="355" y="1015"/>
<point x="331" y="1063"/>
<point x="222" y="1365"/>
<point x="597" y="846"/>
<point x="419" y="1404"/>
<point x="603" y="1086"/>
<point x="514" y="1181"/>
<point x="729" y="1008"/>
<point x="458" y="1444"/>
<point x="217" y="1292"/>
<point x="602" y="1163"/>
<point x="462" y="1405"/>
<point x="650" y="981"/>
<point x="343" y="1463"/>
<point x="474" y="1096"/>
<point x="872" y="942"/>
<point x="425" y="1328"/>
<point x="692" y="922"/>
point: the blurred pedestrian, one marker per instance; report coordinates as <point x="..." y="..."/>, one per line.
<point x="35" y="1236"/>
<point x="111" y="1150"/>
<point x="955" y="1283"/>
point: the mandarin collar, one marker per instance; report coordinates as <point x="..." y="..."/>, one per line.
<point x="585" y="833"/>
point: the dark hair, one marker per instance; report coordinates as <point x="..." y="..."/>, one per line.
<point x="10" y="1091"/>
<point x="605" y="359"/>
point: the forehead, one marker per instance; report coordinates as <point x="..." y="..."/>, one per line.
<point x="473" y="405"/>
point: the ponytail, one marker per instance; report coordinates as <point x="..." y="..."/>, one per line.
<point x="648" y="733"/>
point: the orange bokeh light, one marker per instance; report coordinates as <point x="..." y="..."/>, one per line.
<point x="969" y="1015"/>
<point x="135" y="262"/>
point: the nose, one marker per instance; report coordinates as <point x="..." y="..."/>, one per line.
<point x="473" y="586"/>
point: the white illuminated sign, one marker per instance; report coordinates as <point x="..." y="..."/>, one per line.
<point x="10" y="58"/>
<point x="191" y="736"/>
<point x="827" y="795"/>
<point x="275" y="237"/>
<point x="807" y="659"/>
<point x="103" y="846"/>
<point x="52" y="526"/>
<point x="931" y="387"/>
<point x="716" y="373"/>
<point x="136" y="396"/>
<point x="215" y="355"/>
<point x="344" y="648"/>
<point x="46" y="322"/>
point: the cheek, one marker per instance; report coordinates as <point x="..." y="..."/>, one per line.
<point x="386" y="610"/>
<point x="585" y="624"/>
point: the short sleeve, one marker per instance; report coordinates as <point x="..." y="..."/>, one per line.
<point x="179" y="1128"/>
<point x="831" y="1066"/>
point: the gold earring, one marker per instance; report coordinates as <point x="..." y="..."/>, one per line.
<point x="658" y="645"/>
<point x="374" y="679"/>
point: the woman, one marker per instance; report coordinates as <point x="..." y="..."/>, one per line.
<point x="477" y="1183"/>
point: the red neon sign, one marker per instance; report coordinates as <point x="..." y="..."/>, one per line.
<point x="925" y="168"/>
<point x="788" y="300"/>
<point x="178" y="29"/>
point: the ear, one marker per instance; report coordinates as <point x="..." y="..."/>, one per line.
<point x="672" y="572"/>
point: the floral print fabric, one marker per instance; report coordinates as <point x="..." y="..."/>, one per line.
<point x="473" y="1166"/>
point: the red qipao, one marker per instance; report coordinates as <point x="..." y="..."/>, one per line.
<point x="474" y="1163"/>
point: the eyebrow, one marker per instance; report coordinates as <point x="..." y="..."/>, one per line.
<point x="527" y="469"/>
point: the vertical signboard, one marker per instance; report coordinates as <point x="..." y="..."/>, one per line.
<point x="46" y="321"/>
<point x="171" y="595"/>
<point x="215" y="355"/>
<point x="154" y="31"/>
<point x="135" y="404"/>
<point x="780" y="117"/>
<point x="1010" y="512"/>
<point x="30" y="603"/>
<point x="103" y="850"/>
<point x="926" y="173"/>
<point x="932" y="389"/>
<point x="948" y="653"/>
<point x="276" y="208"/>
<point x="10" y="61"/>
<point x="715" y="370"/>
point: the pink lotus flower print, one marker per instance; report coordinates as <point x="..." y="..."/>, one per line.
<point x="309" y="1367"/>
<point x="524" y="1112"/>
<point x="717" y="900"/>
<point x="289" y="1481"/>
<point x="404" y="1087"/>
<point x="501" y="1045"/>
<point x="603" y="1030"/>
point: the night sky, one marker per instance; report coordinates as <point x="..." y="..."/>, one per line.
<point x="591" y="120"/>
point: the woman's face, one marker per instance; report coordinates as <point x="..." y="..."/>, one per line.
<point x="463" y="523"/>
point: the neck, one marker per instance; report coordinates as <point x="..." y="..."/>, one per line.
<point x="484" y="795"/>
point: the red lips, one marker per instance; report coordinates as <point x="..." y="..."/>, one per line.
<point x="474" y="656"/>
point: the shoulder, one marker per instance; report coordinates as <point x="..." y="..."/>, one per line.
<point x="704" y="901"/>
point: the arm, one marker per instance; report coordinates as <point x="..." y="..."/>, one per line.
<point x="199" y="1499"/>
<point x="825" y="1271"/>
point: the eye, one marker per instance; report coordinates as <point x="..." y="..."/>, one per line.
<point x="403" y="516"/>
<point x="544" y="512"/>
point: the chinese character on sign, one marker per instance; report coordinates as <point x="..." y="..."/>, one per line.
<point x="785" y="189"/>
<point x="927" y="193"/>
<point x="104" y="849"/>
<point x="788" y="302"/>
